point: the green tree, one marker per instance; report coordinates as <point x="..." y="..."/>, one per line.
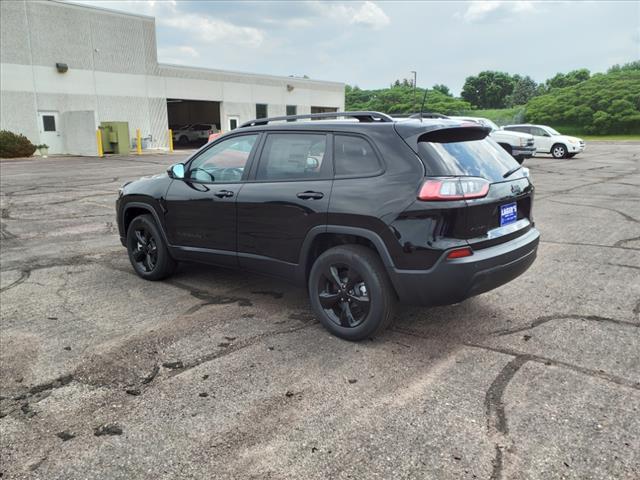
<point x="561" y="80"/>
<point x="627" y="66"/>
<point x="525" y="89"/>
<point x="601" y="104"/>
<point x="439" y="87"/>
<point x="488" y="89"/>
<point x="401" y="99"/>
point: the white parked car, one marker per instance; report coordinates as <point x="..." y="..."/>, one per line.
<point x="519" y="145"/>
<point x="548" y="140"/>
<point x="198" y="132"/>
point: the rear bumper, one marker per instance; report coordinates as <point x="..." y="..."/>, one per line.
<point x="451" y="281"/>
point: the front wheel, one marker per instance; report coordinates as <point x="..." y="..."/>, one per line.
<point x="350" y="292"/>
<point x="559" y="151"/>
<point x="147" y="249"/>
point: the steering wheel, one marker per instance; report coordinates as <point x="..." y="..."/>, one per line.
<point x="312" y="164"/>
<point x="231" y="173"/>
<point x="198" y="169"/>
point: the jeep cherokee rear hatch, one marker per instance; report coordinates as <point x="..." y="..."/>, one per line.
<point x="462" y="164"/>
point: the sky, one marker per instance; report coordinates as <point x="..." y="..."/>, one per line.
<point x="370" y="44"/>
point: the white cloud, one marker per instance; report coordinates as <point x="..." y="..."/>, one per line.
<point x="180" y="55"/>
<point x="211" y="31"/>
<point x="480" y="10"/>
<point x="366" y="13"/>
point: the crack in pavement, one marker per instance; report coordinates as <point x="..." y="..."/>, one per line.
<point x="580" y="244"/>
<point x="497" y="427"/>
<point x="24" y="275"/>
<point x="599" y="374"/>
<point x="549" y="318"/>
<point x="235" y="347"/>
<point x="619" y="243"/>
<point x="622" y="214"/>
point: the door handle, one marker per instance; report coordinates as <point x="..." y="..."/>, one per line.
<point x="224" y="194"/>
<point x="309" y="195"/>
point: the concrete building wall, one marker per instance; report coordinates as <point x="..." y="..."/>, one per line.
<point x="113" y="72"/>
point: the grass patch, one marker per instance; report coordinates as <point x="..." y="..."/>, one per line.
<point x="595" y="138"/>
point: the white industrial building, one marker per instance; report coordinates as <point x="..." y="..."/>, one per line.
<point x="66" y="68"/>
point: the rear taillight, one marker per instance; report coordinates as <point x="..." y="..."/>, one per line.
<point x="459" y="253"/>
<point x="453" y="188"/>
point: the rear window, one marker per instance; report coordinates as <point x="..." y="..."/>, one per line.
<point x="476" y="158"/>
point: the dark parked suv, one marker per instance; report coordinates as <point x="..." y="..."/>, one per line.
<point x="364" y="212"/>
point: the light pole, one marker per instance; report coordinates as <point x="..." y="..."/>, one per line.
<point x="415" y="79"/>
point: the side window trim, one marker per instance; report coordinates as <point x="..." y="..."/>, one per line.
<point x="258" y="157"/>
<point x="374" y="148"/>
<point x="248" y="165"/>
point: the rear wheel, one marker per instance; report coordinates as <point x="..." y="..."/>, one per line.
<point x="147" y="250"/>
<point x="350" y="292"/>
<point x="184" y="140"/>
<point x="559" y="151"/>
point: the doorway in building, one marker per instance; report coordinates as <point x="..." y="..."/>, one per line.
<point x="49" y="127"/>
<point x="233" y="122"/>
<point x="192" y="121"/>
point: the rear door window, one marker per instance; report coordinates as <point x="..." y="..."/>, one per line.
<point x="354" y="156"/>
<point x="477" y="158"/>
<point x="294" y="156"/>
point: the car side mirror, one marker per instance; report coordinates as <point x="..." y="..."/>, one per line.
<point x="176" y="171"/>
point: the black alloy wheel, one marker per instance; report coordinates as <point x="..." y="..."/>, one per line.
<point x="350" y="292"/>
<point x="343" y="296"/>
<point x="147" y="249"/>
<point x="145" y="252"/>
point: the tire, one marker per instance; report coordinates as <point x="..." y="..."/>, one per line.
<point x="184" y="140"/>
<point x="147" y="249"/>
<point x="559" y="151"/>
<point x="363" y="305"/>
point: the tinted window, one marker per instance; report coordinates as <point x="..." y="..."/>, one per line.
<point x="477" y="158"/>
<point x="290" y="156"/>
<point x="49" y="123"/>
<point x="519" y="129"/>
<point x="223" y="162"/>
<point x="354" y="156"/>
<point x="538" y="132"/>
<point x="261" y="110"/>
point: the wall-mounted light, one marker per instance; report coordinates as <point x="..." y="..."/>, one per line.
<point x="62" y="67"/>
<point x="290" y="88"/>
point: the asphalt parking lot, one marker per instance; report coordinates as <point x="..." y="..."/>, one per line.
<point x="220" y="374"/>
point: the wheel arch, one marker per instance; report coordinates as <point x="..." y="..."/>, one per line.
<point x="134" y="209"/>
<point x="320" y="239"/>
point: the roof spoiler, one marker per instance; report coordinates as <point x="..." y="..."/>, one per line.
<point x="463" y="132"/>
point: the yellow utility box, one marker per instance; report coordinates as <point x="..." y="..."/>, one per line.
<point x="115" y="137"/>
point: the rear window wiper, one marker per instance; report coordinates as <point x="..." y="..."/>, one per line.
<point x="512" y="171"/>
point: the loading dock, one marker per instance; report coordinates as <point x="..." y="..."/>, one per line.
<point x="192" y="121"/>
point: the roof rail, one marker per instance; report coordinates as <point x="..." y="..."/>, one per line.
<point x="362" y="116"/>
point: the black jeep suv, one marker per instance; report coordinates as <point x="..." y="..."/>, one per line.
<point x="365" y="212"/>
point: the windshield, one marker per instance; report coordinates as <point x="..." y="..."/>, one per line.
<point x="477" y="158"/>
<point x="552" y="131"/>
<point x="488" y="123"/>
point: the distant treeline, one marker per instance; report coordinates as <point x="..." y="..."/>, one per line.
<point x="592" y="103"/>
